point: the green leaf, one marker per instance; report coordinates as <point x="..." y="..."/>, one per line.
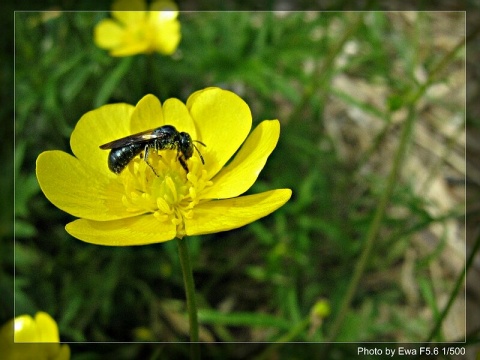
<point x="112" y="81"/>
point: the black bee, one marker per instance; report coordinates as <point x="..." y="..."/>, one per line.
<point x="163" y="138"/>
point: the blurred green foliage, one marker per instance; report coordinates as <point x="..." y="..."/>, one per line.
<point x="257" y="283"/>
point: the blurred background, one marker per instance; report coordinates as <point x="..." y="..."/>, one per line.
<point x="344" y="86"/>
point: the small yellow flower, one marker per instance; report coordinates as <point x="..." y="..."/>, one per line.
<point x="142" y="205"/>
<point x="35" y="339"/>
<point x="138" y="31"/>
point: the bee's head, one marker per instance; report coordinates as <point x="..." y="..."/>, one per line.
<point x="186" y="145"/>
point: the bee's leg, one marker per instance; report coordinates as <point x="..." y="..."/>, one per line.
<point x="183" y="163"/>
<point x="147" y="149"/>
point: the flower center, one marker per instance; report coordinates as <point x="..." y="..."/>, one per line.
<point x="162" y="187"/>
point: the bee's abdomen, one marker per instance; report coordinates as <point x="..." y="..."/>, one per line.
<point x="120" y="157"/>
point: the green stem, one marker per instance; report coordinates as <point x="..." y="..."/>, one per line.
<point x="374" y="228"/>
<point x="453" y="296"/>
<point x="189" y="288"/>
<point x="323" y="72"/>
<point x="380" y="213"/>
<point x="290" y="336"/>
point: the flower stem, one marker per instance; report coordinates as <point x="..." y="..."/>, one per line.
<point x="373" y="231"/>
<point x="189" y="288"/>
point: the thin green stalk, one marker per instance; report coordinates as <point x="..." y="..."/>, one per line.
<point x="290" y="336"/>
<point x="459" y="283"/>
<point x="380" y="213"/>
<point x="189" y="288"/>
<point x="374" y="228"/>
<point x="461" y="278"/>
<point x="433" y="75"/>
<point x="322" y="72"/>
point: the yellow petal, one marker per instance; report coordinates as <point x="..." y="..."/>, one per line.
<point x="129" y="17"/>
<point x="47" y="331"/>
<point x="108" y="34"/>
<point x="223" y="215"/>
<point x="47" y="327"/>
<point x="168" y="37"/>
<point x="139" y="230"/>
<point x="25" y="329"/>
<point x="11" y="350"/>
<point x="176" y="114"/>
<point x="241" y="173"/>
<point x="34" y="338"/>
<point x="64" y="353"/>
<point x="129" y="11"/>
<point x="165" y="26"/>
<point x="193" y="97"/>
<point x="168" y="8"/>
<point x="97" y="127"/>
<point x="147" y="115"/>
<point x="130" y="48"/>
<point x="223" y="122"/>
<point x="78" y="190"/>
<point x="30" y="342"/>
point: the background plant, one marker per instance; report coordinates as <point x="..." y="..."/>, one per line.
<point x="343" y="85"/>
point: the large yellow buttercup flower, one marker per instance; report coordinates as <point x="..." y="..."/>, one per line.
<point x="133" y="30"/>
<point x="158" y="201"/>
<point x="27" y="338"/>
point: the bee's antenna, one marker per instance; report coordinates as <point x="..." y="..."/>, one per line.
<point x="198" y="141"/>
<point x="201" y="157"/>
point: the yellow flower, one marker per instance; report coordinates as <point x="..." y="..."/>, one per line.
<point x="35" y="339"/>
<point x="139" y="31"/>
<point x="158" y="201"/>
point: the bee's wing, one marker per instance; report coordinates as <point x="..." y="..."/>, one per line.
<point x="143" y="136"/>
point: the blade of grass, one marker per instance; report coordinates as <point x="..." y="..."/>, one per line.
<point x="322" y="73"/>
<point x="112" y="80"/>
<point x="453" y="295"/>
<point x="374" y="227"/>
<point x="290" y="336"/>
<point x="380" y="212"/>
